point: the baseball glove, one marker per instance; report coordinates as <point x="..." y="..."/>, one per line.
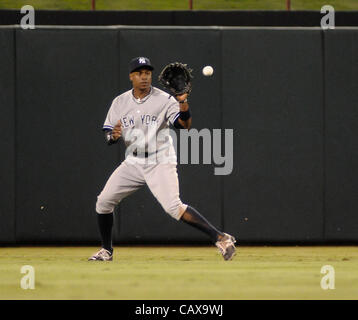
<point x="176" y="77"/>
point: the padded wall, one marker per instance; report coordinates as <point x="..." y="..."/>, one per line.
<point x="290" y="97"/>
<point x="272" y="97"/>
<point x="66" y="81"/>
<point x="341" y="132"/>
<point x="7" y="134"/>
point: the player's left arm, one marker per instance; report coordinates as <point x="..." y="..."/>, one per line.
<point x="183" y="121"/>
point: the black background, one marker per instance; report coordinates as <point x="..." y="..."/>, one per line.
<point x="181" y="18"/>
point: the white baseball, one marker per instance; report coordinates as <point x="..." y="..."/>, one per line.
<point x="208" y="71"/>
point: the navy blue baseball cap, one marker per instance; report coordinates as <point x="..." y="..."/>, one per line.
<point x="138" y="63"/>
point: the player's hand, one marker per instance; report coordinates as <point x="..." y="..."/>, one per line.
<point x="182" y="97"/>
<point x="117" y="131"/>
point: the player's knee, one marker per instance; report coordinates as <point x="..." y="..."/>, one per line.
<point x="104" y="205"/>
<point x="175" y="209"/>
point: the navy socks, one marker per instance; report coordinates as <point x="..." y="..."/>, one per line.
<point x="105" y="223"/>
<point x="195" y="219"/>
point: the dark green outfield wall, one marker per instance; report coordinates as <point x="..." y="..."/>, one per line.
<point x="7" y="134"/>
<point x="290" y="95"/>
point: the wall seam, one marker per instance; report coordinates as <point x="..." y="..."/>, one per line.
<point x="118" y="217"/>
<point x="222" y="185"/>
<point x="324" y="178"/>
<point x="15" y="138"/>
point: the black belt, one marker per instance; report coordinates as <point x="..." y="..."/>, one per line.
<point x="143" y="155"/>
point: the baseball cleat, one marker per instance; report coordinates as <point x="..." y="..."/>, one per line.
<point x="226" y="246"/>
<point x="102" y="255"/>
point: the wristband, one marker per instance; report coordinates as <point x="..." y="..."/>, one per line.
<point x="108" y="135"/>
<point x="184" y="115"/>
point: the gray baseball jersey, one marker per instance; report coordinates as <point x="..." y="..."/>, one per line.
<point x="145" y="129"/>
<point x="145" y="122"/>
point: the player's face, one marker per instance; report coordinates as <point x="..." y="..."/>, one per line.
<point x="141" y="79"/>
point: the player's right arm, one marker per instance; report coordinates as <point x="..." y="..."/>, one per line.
<point x="112" y="136"/>
<point x="112" y="127"/>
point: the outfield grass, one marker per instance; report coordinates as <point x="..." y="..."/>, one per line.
<point x="180" y="273"/>
<point x="180" y="4"/>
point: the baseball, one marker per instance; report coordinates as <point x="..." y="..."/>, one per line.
<point x="208" y="71"/>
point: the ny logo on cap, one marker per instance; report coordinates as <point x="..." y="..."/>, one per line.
<point x="141" y="60"/>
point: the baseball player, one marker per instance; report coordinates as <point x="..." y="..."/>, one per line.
<point x="139" y="116"/>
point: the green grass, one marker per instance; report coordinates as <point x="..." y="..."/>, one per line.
<point x="180" y="4"/>
<point x="180" y="273"/>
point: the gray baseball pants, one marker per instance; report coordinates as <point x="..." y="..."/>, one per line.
<point x="161" y="179"/>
